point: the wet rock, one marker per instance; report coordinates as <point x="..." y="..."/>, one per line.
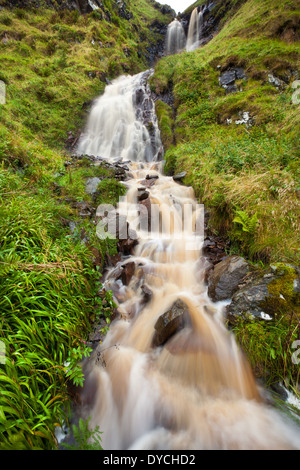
<point x="127" y="272"/>
<point x="150" y="177"/>
<point x="170" y="322"/>
<point x="223" y="281"/>
<point x="126" y="246"/>
<point x="149" y="182"/>
<point x="214" y="248"/>
<point x="179" y="177"/>
<point x="145" y="213"/>
<point x="142" y="194"/>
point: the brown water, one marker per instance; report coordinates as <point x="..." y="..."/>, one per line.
<point x="195" y="391"/>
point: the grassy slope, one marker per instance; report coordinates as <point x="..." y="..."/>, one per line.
<point x="52" y="63"/>
<point x="252" y="171"/>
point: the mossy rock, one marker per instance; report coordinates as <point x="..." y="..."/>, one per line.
<point x="284" y="292"/>
<point x="274" y="294"/>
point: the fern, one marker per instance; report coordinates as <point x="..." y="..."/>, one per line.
<point x="83" y="435"/>
<point x="244" y="229"/>
<point x="245" y="222"/>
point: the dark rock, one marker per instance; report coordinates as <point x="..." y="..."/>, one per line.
<point x="142" y="194"/>
<point x="85" y="209"/>
<point x="170" y="322"/>
<point x="126" y="246"/>
<point x="223" y="281"/>
<point x="179" y="176"/>
<point x="262" y="297"/>
<point x="127" y="272"/>
<point x="228" y="78"/>
<point x="247" y="302"/>
<point x="150" y="177"/>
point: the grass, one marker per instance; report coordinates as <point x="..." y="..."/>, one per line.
<point x="254" y="169"/>
<point x="53" y="65"/>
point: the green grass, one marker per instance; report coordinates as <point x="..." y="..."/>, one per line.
<point x="53" y="65"/>
<point x="237" y="167"/>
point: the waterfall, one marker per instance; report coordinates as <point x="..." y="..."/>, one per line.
<point x="176" y="39"/>
<point x="193" y="388"/>
<point x="122" y="122"/>
<point x="195" y="30"/>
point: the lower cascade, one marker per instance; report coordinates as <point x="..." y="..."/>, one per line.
<point x="168" y="374"/>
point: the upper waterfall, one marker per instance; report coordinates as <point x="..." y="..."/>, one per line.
<point x="176" y="39"/>
<point x="194" y="31"/>
<point x="122" y="122"/>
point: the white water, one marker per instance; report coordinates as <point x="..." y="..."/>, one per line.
<point x="196" y="391"/>
<point x="176" y="40"/>
<point x="195" y="30"/>
<point x="115" y="128"/>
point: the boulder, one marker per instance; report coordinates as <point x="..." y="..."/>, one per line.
<point x="92" y="185"/>
<point x="264" y="296"/>
<point x="127" y="272"/>
<point x="248" y="301"/>
<point x="170" y="322"/>
<point x="226" y="276"/>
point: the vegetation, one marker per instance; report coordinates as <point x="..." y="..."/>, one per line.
<point x="252" y="166"/>
<point x="53" y="64"/>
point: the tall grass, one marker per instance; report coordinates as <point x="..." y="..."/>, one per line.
<point x="47" y="289"/>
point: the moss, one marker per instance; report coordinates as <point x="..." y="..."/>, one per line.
<point x="164" y="114"/>
<point x="110" y="191"/>
<point x="282" y="299"/>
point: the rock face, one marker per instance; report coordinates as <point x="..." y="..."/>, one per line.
<point x="265" y="296"/>
<point x="170" y="322"/>
<point x="224" y="279"/>
<point x="248" y="301"/>
<point x="227" y="78"/>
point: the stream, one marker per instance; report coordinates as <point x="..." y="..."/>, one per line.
<point x="168" y="374"/>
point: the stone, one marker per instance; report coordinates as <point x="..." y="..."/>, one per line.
<point x="247" y="302"/>
<point x="142" y="194"/>
<point x="150" y="177"/>
<point x="226" y="276"/>
<point x="92" y="185"/>
<point x="179" y="176"/>
<point x="170" y="322"/>
<point x="127" y="272"/>
<point x="262" y="297"/>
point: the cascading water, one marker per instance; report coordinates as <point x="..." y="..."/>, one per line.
<point x="193" y="389"/>
<point x="195" y="30"/>
<point x="176" y="40"/>
<point x="122" y="122"/>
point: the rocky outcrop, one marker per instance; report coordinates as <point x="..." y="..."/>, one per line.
<point x="262" y="297"/>
<point x="226" y="276"/>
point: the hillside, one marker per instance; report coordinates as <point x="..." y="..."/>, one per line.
<point x="54" y="61"/>
<point x="234" y="125"/>
<point x="228" y="113"/>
